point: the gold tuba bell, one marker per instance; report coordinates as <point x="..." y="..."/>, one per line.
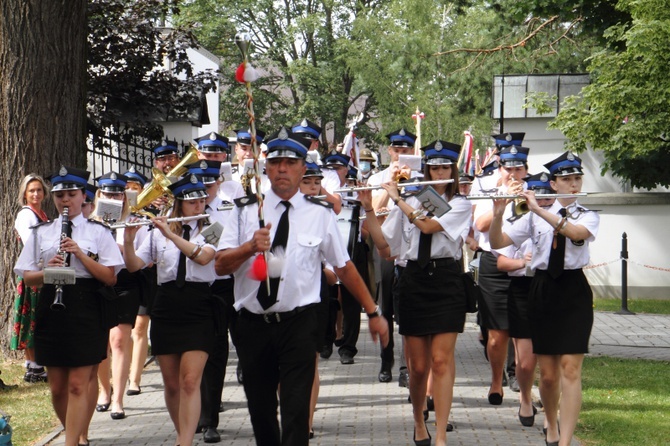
<point x="160" y="182"/>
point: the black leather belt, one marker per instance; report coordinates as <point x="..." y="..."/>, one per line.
<point x="275" y="318"/>
<point x="444" y="261"/>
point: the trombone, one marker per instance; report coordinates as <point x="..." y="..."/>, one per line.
<point x="148" y="222"/>
<point x="401" y="185"/>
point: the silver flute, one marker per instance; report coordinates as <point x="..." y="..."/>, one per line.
<point x="400" y="185"/>
<point x="514" y="196"/>
<point x="148" y="222"/>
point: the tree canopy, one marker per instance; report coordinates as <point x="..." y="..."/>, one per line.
<point x="624" y="112"/>
<point x="386" y="56"/>
<point x="128" y="77"/>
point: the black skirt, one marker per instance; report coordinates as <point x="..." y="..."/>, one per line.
<point x="517" y="307"/>
<point x="561" y="313"/>
<point x="129" y="289"/>
<point x="73" y="337"/>
<point x="182" y="319"/>
<point x="431" y="300"/>
<point x="494" y="285"/>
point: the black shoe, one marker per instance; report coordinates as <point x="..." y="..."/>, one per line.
<point x="514" y="384"/>
<point x="211" y="435"/>
<point x="133" y="392"/>
<point x="118" y="415"/>
<point x="424" y="442"/>
<point x="326" y="352"/>
<point x="450" y="427"/>
<point x="339" y="342"/>
<point x="426" y="414"/>
<point x="37" y="375"/>
<point x="527" y="421"/>
<point x="430" y="403"/>
<point x="102" y="407"/>
<point x="495" y="399"/>
<point x="200" y="429"/>
<point x="311" y="434"/>
<point x="403" y="378"/>
<point x="346" y="357"/>
<point x="385" y="376"/>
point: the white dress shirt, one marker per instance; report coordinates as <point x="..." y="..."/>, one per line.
<point x="541" y="234"/>
<point x="94" y="239"/>
<point x="403" y="236"/>
<point x="313" y="236"/>
<point x="158" y="249"/>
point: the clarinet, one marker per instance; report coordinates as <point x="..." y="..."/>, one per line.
<point x="66" y="231"/>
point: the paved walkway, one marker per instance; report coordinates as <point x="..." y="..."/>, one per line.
<point x="354" y="408"/>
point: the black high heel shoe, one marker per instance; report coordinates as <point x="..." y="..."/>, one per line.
<point x="425" y="441"/>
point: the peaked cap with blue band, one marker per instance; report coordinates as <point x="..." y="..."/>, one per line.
<point x="213" y="143"/>
<point x="112" y="182"/>
<point x="135" y="176"/>
<point x="313" y="170"/>
<point x="307" y="129"/>
<point x="566" y="164"/>
<point x="540" y="183"/>
<point x="337" y="159"/>
<point x="401" y="138"/>
<point x="285" y="144"/>
<point x="514" y="156"/>
<point x="188" y="188"/>
<point x="441" y="152"/>
<point x="509" y="139"/>
<point x="244" y="136"/>
<point x="69" y="178"/>
<point x="90" y="193"/>
<point x="206" y="171"/>
<point x="166" y="148"/>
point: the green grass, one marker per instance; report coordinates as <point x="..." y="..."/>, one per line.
<point x="32" y="416"/>
<point x="626" y="402"/>
<point x="652" y="306"/>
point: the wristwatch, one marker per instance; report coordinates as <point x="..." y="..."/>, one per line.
<point x="375" y="313"/>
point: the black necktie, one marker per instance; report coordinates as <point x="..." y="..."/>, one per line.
<point x="557" y="254"/>
<point x="181" y="268"/>
<point x="281" y="238"/>
<point x="424" y="249"/>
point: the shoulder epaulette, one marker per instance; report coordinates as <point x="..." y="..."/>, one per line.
<point x="245" y="201"/>
<point x="318" y="201"/>
<point x="42" y="223"/>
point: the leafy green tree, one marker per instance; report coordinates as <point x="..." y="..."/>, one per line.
<point x="388" y="56"/>
<point x="128" y="77"/>
<point x="624" y="112"/>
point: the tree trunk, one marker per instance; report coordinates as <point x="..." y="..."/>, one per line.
<point x="42" y="110"/>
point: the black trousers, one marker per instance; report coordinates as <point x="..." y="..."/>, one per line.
<point x="278" y="355"/>
<point x="351" y="308"/>
<point x="214" y="373"/>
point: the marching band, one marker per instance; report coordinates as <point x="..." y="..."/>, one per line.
<point x="214" y="242"/>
